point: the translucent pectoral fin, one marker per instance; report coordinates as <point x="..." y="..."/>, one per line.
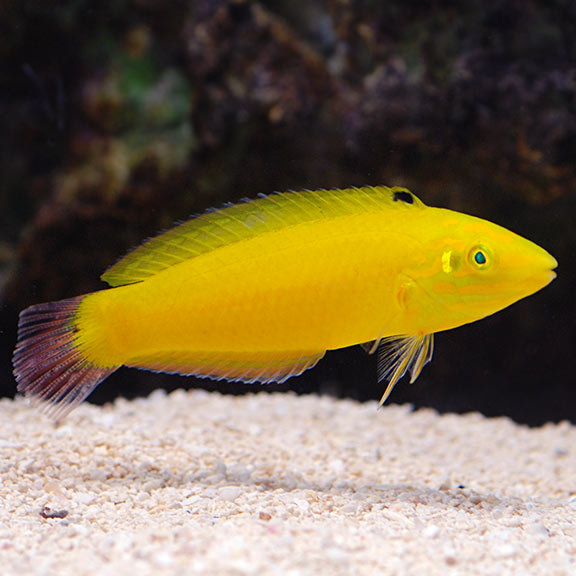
<point x="372" y="346"/>
<point x="399" y="354"/>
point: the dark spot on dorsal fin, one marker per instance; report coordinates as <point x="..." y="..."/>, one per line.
<point x="403" y="196"/>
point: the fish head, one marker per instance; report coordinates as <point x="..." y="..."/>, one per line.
<point x="474" y="268"/>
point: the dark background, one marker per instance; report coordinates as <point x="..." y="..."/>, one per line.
<point x="118" y="118"/>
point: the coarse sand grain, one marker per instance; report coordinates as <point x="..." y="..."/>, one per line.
<point x="199" y="483"/>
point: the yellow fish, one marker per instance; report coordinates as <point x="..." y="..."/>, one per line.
<point x="258" y="292"/>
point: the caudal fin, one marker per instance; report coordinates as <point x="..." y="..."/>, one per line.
<point x="47" y="364"/>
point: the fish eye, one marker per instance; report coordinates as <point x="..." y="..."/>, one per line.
<point x="479" y="257"/>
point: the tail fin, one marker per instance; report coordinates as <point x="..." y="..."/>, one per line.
<point x="47" y="364"/>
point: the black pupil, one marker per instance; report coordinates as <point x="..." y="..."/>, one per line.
<point x="480" y="258"/>
<point x="403" y="197"/>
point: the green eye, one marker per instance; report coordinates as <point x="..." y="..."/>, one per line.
<point x="480" y="258"/>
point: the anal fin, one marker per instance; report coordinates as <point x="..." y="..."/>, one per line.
<point x="264" y="367"/>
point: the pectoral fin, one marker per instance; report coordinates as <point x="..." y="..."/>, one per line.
<point x="399" y="354"/>
<point x="372" y="346"/>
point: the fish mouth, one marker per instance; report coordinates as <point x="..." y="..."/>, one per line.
<point x="547" y="264"/>
<point x="553" y="262"/>
<point x="552" y="267"/>
<point x="547" y="274"/>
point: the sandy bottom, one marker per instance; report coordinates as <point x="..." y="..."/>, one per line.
<point x="198" y="483"/>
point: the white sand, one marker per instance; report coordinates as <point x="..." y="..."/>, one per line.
<point x="197" y="483"/>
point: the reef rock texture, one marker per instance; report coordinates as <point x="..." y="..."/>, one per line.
<point x="198" y="483"/>
<point x="120" y="118"/>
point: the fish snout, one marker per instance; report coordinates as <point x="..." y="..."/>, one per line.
<point x="550" y="264"/>
<point x="541" y="267"/>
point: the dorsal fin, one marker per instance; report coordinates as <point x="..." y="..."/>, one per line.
<point x="248" y="219"/>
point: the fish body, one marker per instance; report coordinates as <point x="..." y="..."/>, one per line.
<point x="259" y="291"/>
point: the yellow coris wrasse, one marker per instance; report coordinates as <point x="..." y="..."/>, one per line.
<point x="259" y="291"/>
